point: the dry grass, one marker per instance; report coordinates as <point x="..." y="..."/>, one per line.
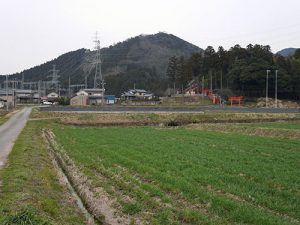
<point x="159" y="118"/>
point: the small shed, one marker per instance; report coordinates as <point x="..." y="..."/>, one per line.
<point x="110" y="99"/>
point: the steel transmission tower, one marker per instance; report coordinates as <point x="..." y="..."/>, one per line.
<point x="98" y="80"/>
<point x="54" y="78"/>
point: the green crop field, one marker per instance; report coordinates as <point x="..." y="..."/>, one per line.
<point x="186" y="176"/>
<point x="295" y="125"/>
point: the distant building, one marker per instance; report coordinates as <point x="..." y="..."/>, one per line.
<point x="52" y="95"/>
<point x="82" y="93"/>
<point x="137" y="94"/>
<point x="27" y="96"/>
<point x="8" y="97"/>
<point x="193" y="88"/>
<point x="110" y="99"/>
<point x="2" y="103"/>
<point x="79" y="100"/>
<point x="93" y="96"/>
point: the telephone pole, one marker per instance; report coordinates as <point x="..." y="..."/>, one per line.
<point x="69" y="87"/>
<point x="267" y="80"/>
<point x="276" y="72"/>
<point x="6" y="92"/>
<point x="211" y="82"/>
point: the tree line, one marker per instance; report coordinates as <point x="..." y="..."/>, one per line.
<point x="242" y="70"/>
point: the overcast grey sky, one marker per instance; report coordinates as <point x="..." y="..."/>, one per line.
<point x="36" y="31"/>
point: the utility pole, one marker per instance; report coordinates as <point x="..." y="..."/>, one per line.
<point x="221" y="80"/>
<point x="202" y="87"/>
<point x="210" y="80"/>
<point x="103" y="91"/>
<point x="13" y="93"/>
<point x="6" y="92"/>
<point x="276" y="72"/>
<point x="69" y="88"/>
<point x="174" y="87"/>
<point x="267" y="80"/>
<point x="22" y="82"/>
<point x="39" y="89"/>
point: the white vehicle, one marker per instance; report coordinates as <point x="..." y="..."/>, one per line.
<point x="47" y="103"/>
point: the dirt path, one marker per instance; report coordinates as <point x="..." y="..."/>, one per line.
<point x="9" y="132"/>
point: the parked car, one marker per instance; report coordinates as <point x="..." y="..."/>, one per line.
<point x="47" y="103"/>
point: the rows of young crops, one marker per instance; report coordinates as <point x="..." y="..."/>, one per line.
<point x="186" y="176"/>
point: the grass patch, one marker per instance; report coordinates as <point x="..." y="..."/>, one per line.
<point x="295" y="125"/>
<point x="3" y="117"/>
<point x="29" y="181"/>
<point x="190" y="177"/>
<point x="25" y="217"/>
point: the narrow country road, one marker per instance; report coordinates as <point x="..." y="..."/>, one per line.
<point x="9" y="132"/>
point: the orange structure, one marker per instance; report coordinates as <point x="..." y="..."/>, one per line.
<point x="235" y="98"/>
<point x="207" y="92"/>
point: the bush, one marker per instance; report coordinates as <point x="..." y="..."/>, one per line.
<point x="25" y="217"/>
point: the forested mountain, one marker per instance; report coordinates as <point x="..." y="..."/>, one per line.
<point x="154" y="62"/>
<point x="242" y="70"/>
<point x="287" y="51"/>
<point x="140" y="60"/>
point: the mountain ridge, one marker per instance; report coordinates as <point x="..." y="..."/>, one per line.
<point x="287" y="52"/>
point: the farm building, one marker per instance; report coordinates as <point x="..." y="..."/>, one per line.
<point x="137" y="94"/>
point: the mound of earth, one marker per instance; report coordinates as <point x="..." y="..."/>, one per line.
<point x="261" y="102"/>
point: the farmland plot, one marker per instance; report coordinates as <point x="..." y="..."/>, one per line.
<point x="185" y="176"/>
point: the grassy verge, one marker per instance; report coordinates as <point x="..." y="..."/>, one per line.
<point x="3" y="117"/>
<point x="180" y="176"/>
<point x="29" y="185"/>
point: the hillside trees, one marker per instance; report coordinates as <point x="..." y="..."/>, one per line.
<point x="243" y="70"/>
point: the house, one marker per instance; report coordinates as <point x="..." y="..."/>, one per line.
<point x="137" y="94"/>
<point x="79" y="100"/>
<point x="96" y="95"/>
<point x="82" y="93"/>
<point x="193" y="88"/>
<point x="8" y="97"/>
<point x="27" y="96"/>
<point x="92" y="96"/>
<point x="2" y="103"/>
<point x="52" y="96"/>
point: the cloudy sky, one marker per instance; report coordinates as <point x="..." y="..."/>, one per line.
<point x="35" y="31"/>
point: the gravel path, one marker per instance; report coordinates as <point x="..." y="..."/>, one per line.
<point x="9" y="132"/>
